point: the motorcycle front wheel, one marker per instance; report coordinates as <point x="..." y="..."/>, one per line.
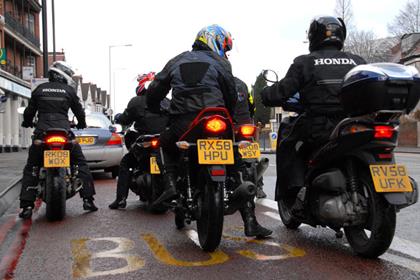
<point x="55" y="194"/>
<point x="373" y="238"/>
<point x="210" y="212"/>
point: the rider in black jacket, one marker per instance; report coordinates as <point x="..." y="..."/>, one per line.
<point x="145" y="122"/>
<point x="317" y="76"/>
<point x="52" y="101"/>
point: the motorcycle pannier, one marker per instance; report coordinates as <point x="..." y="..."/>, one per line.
<point x="380" y="86"/>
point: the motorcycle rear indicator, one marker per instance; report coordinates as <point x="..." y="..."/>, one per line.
<point x="384" y="132"/>
<point x="114" y="140"/>
<point x="155" y="143"/>
<point x="55" y="139"/>
<point x="215" y="125"/>
<point x="247" y="130"/>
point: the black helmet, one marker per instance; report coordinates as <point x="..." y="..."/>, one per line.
<point x="61" y="72"/>
<point x="326" y="30"/>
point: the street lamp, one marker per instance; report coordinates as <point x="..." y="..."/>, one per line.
<point x="114" y="83"/>
<point x="109" y="73"/>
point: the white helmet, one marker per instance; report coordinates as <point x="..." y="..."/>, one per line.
<point x="61" y="72"/>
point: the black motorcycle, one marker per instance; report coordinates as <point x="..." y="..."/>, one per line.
<point x="57" y="177"/>
<point x="352" y="182"/>
<point x="206" y="162"/>
<point x="146" y="180"/>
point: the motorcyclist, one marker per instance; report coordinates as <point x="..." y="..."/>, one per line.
<point x="317" y="76"/>
<point x="52" y="100"/>
<point x="145" y="122"/>
<point x="244" y="112"/>
<point x="199" y="78"/>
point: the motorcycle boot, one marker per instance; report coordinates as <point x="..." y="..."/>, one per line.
<point x="88" y="204"/>
<point x="170" y="192"/>
<point x="26" y="213"/>
<point x="260" y="191"/>
<point x="119" y="203"/>
<point x="251" y="226"/>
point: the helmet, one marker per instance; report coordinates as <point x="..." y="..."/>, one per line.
<point x="326" y="30"/>
<point x="61" y="72"/>
<point x="216" y="38"/>
<point x="144" y="80"/>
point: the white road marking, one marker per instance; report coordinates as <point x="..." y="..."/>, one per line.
<point x="400" y="245"/>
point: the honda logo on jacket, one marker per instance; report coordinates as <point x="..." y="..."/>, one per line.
<point x="334" y="61"/>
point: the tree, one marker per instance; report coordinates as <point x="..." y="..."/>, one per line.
<point x="407" y="21"/>
<point x="344" y="10"/>
<point x="262" y="113"/>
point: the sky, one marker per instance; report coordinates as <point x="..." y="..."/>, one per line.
<point x="268" y="34"/>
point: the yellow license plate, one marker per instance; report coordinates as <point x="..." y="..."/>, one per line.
<point x="390" y="178"/>
<point x="85" y="140"/>
<point x="154" y="167"/>
<point x="215" y="151"/>
<point x="58" y="158"/>
<point x="252" y="151"/>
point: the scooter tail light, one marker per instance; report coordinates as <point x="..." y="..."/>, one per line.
<point x="55" y="139"/>
<point x="248" y="130"/>
<point x="114" y="140"/>
<point x="215" y="125"/>
<point x="384" y="132"/>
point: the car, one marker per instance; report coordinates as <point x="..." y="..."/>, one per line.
<point x="102" y="146"/>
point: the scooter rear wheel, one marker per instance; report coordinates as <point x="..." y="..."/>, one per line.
<point x="284" y="207"/>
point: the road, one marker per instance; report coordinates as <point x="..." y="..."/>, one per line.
<point x="133" y="244"/>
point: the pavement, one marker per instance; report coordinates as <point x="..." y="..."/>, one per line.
<point x="11" y="166"/>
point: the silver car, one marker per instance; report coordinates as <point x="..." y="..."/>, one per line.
<point x="101" y="145"/>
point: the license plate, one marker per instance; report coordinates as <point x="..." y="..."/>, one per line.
<point x="58" y="158"/>
<point x="85" y="140"/>
<point x="390" y="178"/>
<point x="252" y="151"/>
<point x="215" y="151"/>
<point x="154" y="167"/>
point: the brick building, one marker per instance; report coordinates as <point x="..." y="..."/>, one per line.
<point x="20" y="61"/>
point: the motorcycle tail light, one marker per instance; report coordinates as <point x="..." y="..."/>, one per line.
<point x="154" y="143"/>
<point x="55" y="139"/>
<point x="384" y="132"/>
<point x="114" y="140"/>
<point x="215" y="125"/>
<point x="247" y="130"/>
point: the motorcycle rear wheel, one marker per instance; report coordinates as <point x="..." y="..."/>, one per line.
<point x="210" y="213"/>
<point x="156" y="189"/>
<point x="381" y="224"/>
<point x="55" y="194"/>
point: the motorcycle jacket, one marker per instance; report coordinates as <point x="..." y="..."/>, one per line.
<point x="198" y="79"/>
<point x="317" y="76"/>
<point x="145" y="122"/>
<point x="244" y="109"/>
<point x="52" y="101"/>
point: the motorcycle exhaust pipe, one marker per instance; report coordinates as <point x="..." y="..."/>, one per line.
<point x="240" y="196"/>
<point x="262" y="167"/>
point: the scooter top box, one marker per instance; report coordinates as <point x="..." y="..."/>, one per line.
<point x="380" y="86"/>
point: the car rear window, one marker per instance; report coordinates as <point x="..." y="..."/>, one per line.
<point x="97" y="121"/>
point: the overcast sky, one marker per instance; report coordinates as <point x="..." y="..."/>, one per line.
<point x="267" y="33"/>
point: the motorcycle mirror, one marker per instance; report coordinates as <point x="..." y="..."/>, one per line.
<point x="20" y="110"/>
<point x="270" y="76"/>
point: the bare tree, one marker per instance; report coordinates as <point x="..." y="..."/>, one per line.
<point x="367" y="45"/>
<point x="344" y="10"/>
<point x="407" y="21"/>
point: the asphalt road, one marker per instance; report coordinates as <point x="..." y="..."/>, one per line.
<point x="133" y="244"/>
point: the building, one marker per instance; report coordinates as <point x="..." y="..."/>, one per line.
<point x="20" y="61"/>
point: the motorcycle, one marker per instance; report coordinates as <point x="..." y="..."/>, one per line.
<point x="57" y="177"/>
<point x="205" y="193"/>
<point x="146" y="180"/>
<point x="353" y="182"/>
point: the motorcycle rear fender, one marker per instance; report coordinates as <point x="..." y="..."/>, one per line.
<point x="212" y="169"/>
<point x="400" y="200"/>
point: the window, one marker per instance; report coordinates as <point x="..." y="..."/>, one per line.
<point x="31" y="23"/>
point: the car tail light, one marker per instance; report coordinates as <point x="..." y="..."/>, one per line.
<point x="215" y="125"/>
<point x="155" y="143"/>
<point x="114" y="140"/>
<point x="384" y="132"/>
<point x="55" y="139"/>
<point x="248" y="130"/>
